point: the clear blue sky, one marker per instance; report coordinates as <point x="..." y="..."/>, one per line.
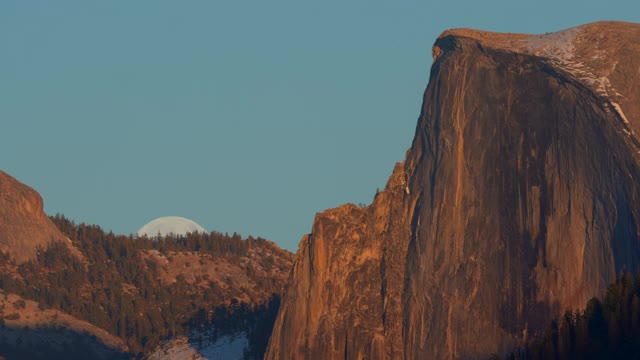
<point x="246" y="116"/>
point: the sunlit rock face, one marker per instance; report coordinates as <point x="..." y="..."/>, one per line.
<point x="517" y="200"/>
<point x="24" y="227"/>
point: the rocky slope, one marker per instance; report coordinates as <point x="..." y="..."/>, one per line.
<point x="517" y="200"/>
<point x="24" y="226"/>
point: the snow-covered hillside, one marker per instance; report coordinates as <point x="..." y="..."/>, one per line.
<point x="203" y="345"/>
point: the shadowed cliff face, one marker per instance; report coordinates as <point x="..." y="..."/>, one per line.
<point x="517" y="201"/>
<point x="23" y="224"/>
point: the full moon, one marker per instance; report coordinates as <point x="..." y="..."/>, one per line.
<point x="170" y="225"/>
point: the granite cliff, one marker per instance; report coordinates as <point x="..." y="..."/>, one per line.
<point x="518" y="199"/>
<point x="24" y="227"/>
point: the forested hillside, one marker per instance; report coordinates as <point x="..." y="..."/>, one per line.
<point x="145" y="290"/>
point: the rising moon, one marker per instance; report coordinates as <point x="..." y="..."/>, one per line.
<point x="175" y="225"/>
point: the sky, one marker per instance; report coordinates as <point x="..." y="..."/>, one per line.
<point x="244" y="116"/>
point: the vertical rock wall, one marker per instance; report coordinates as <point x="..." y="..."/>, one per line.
<point x="517" y="200"/>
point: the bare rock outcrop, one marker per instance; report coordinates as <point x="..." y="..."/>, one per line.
<point x="517" y="200"/>
<point x="24" y="226"/>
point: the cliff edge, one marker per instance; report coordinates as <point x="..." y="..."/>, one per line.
<point x="24" y="227"/>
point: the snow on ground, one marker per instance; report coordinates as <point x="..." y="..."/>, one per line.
<point x="226" y="347"/>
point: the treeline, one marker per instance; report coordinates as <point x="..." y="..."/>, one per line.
<point x="608" y="329"/>
<point x="255" y="321"/>
<point x="88" y="236"/>
<point x="117" y="289"/>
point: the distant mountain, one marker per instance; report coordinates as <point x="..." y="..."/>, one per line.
<point x="518" y="199"/>
<point x="139" y="291"/>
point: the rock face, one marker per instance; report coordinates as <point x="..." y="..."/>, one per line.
<point x="23" y="224"/>
<point x="517" y="200"/>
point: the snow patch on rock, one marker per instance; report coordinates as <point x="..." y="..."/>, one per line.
<point x="620" y="112"/>
<point x="558" y="45"/>
<point x="559" y="49"/>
